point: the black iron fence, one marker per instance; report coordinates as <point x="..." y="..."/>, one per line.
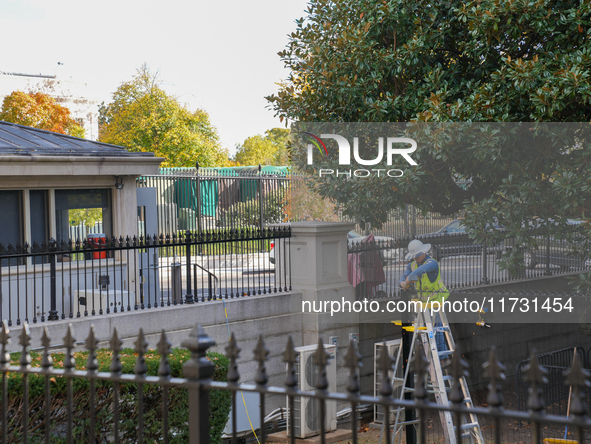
<point x="52" y="281"/>
<point x="201" y="199"/>
<point x="409" y="222"/>
<point x="34" y="382"/>
<point x="376" y="265"/>
<point x="556" y="363"/>
<point x="207" y="198"/>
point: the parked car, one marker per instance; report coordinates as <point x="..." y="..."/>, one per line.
<point x="453" y="240"/>
<point x="387" y="252"/>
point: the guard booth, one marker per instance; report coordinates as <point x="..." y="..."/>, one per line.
<point x="49" y="181"/>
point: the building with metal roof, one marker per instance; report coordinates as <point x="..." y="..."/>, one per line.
<point x="45" y="175"/>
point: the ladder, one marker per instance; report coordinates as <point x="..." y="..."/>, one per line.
<point x="440" y="383"/>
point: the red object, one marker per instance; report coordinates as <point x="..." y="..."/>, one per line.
<point x="97" y="241"/>
<point x="366" y="268"/>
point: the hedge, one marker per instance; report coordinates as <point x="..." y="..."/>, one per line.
<point x="219" y="406"/>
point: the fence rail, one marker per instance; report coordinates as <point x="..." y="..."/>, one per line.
<point x="375" y="266"/>
<point x="197" y="380"/>
<point x="72" y="279"/>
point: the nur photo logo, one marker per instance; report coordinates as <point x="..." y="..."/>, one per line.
<point x="386" y="146"/>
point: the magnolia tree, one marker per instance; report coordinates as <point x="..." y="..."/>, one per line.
<point x="457" y="61"/>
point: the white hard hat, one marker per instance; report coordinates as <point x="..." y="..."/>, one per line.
<point x="416" y="248"/>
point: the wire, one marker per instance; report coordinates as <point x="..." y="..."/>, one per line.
<point x="241" y="393"/>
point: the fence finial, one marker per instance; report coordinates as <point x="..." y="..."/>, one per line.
<point x="233" y="353"/>
<point x="198" y="342"/>
<point x="115" y="344"/>
<point x="578" y="378"/>
<point x="141" y="346"/>
<point x="420" y="365"/>
<point x="164" y="349"/>
<point x="261" y="355"/>
<point x="25" y="341"/>
<point x="289" y="357"/>
<point x="536" y="376"/>
<point x="385" y="363"/>
<point x="69" y="342"/>
<point x="321" y="360"/>
<point x="4" y="340"/>
<point x="91" y="345"/>
<point x="353" y="362"/>
<point x="458" y="371"/>
<point x="495" y="372"/>
<point x="46" y="360"/>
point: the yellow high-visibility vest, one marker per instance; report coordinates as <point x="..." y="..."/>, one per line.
<point x="431" y="291"/>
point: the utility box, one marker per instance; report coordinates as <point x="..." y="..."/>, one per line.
<point x="97" y="299"/>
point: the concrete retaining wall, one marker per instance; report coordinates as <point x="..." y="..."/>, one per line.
<point x="316" y="276"/>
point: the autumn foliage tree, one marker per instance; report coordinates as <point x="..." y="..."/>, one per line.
<point x="142" y="117"/>
<point x="39" y="110"/>
<point x="270" y="149"/>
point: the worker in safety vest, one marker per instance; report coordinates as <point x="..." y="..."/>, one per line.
<point x="426" y="269"/>
<point x="430" y="286"/>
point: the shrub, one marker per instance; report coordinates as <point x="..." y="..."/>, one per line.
<point x="219" y="405"/>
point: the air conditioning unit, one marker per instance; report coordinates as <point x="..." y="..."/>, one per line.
<point x="394" y="348"/>
<point x="306" y="415"/>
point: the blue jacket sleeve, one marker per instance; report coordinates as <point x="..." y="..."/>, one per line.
<point x="406" y="273"/>
<point x="430" y="266"/>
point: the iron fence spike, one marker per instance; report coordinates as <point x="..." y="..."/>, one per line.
<point x="386" y="362"/>
<point x="69" y="342"/>
<point x="458" y="372"/>
<point x="261" y="355"/>
<point x="45" y="340"/>
<point x="116" y="367"/>
<point x="353" y="361"/>
<point x="578" y="378"/>
<point x="4" y="336"/>
<point x="290" y="357"/>
<point x="164" y="345"/>
<point x="494" y="371"/>
<point x="5" y="341"/>
<point x="25" y="341"/>
<point x="420" y="365"/>
<point x="233" y="353"/>
<point x="46" y="360"/>
<point x="141" y="346"/>
<point x="91" y="345"/>
<point x="321" y="357"/>
<point x="115" y="343"/>
<point x="536" y="377"/>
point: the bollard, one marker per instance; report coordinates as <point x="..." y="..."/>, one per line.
<point x="177" y="283"/>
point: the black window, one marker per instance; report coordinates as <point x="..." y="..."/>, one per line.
<point x="11" y="231"/>
<point x="11" y="210"/>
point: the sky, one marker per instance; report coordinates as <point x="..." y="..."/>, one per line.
<point x="217" y="56"/>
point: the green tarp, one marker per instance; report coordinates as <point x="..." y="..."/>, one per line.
<point x="185" y="188"/>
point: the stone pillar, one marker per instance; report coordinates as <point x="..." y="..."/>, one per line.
<point x="319" y="273"/>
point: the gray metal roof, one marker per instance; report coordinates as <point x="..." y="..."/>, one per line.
<point x="20" y="140"/>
